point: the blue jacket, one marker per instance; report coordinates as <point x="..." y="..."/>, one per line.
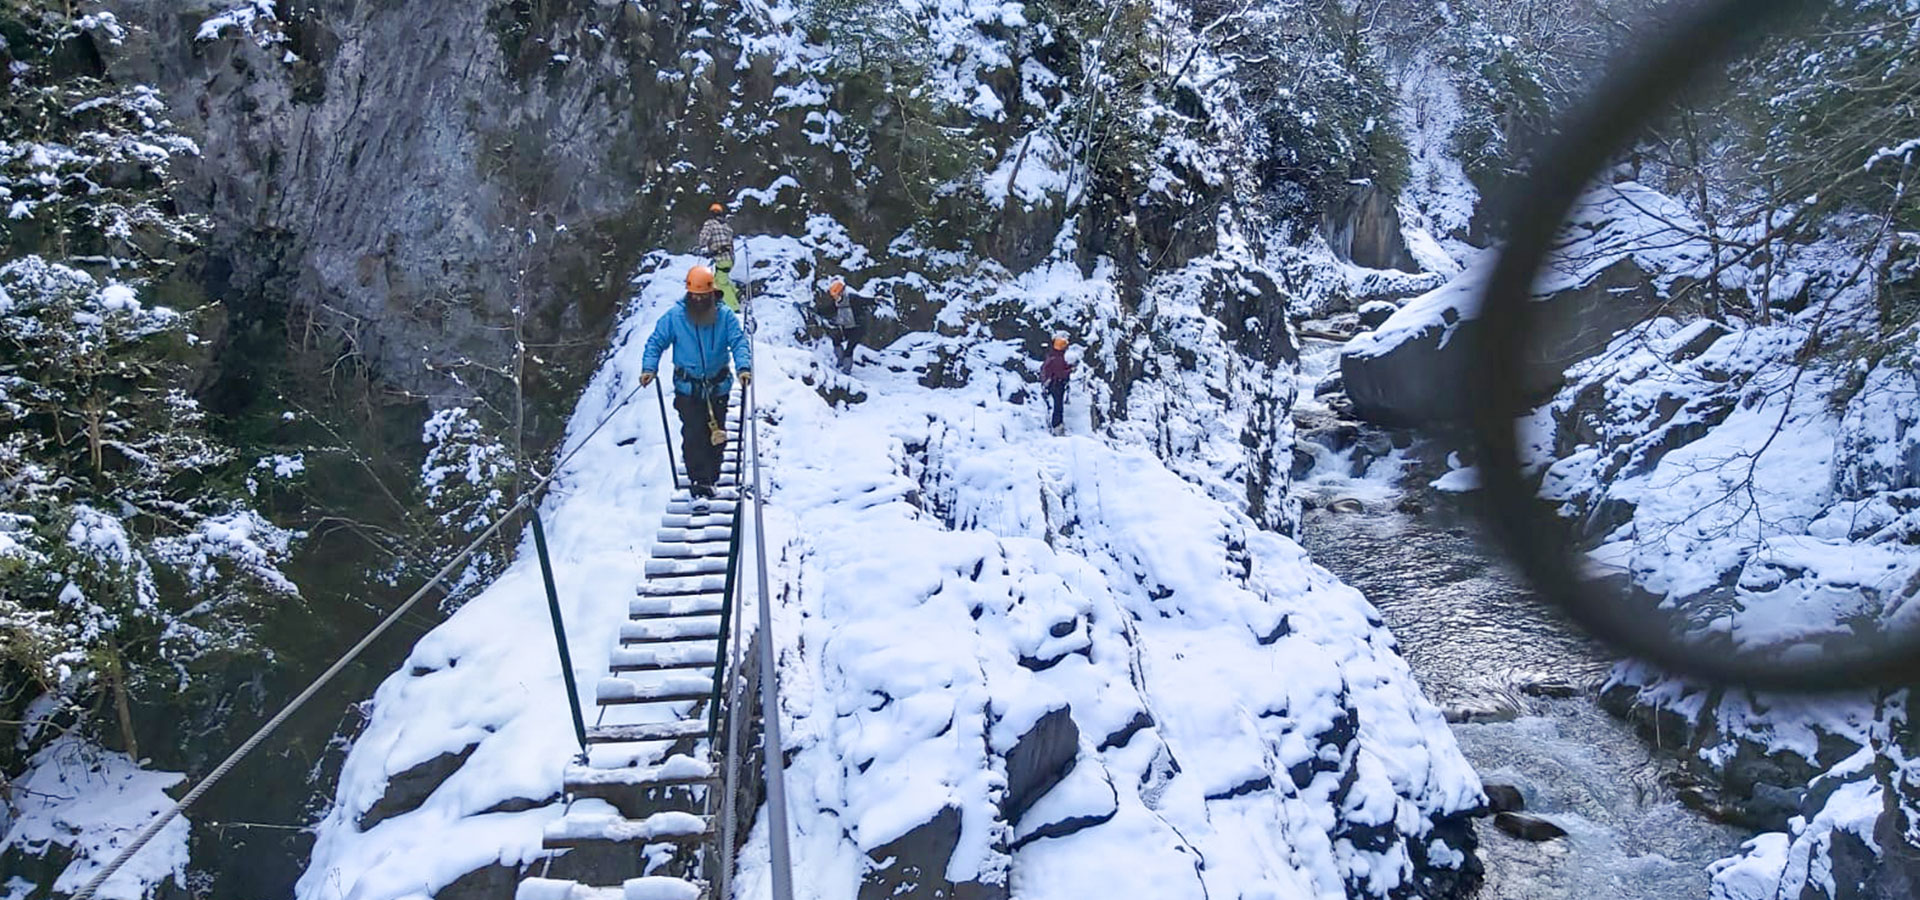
<point x="699" y="352"/>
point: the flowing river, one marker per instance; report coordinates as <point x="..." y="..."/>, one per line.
<point x="1516" y="678"/>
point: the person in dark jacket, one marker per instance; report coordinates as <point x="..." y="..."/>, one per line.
<point x="847" y="331"/>
<point x="1053" y="376"/>
<point x="702" y="335"/>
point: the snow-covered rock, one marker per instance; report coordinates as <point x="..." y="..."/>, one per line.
<point x="1626" y="249"/>
<point x="73" y="811"/>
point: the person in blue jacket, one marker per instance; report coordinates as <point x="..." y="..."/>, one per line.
<point x="703" y="335"/>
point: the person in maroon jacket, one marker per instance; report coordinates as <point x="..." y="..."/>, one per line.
<point x="1053" y="376"/>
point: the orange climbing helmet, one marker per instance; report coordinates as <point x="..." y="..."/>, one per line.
<point x="717" y="208"/>
<point x="1059" y="343"/>
<point x="699" y="280"/>
<point x="837" y="288"/>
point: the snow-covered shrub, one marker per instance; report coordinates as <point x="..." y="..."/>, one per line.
<point x="467" y="481"/>
<point x="1504" y="97"/>
<point x="1311" y="82"/>
<point x="468" y="471"/>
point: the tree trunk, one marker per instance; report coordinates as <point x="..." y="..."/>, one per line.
<point x="122" y="709"/>
<point x="94" y="439"/>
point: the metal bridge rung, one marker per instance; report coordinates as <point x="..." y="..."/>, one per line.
<point x="652" y="887"/>
<point x="695" y="653"/>
<point x="669" y="630"/>
<point x="671" y="606"/>
<point x="705" y="565"/>
<point x="580" y="829"/>
<point x="647" y="731"/>
<point x="696" y="520"/>
<point x="682" y="586"/>
<point x="714" y="508"/>
<point x="722" y="493"/>
<point x="676" y="769"/>
<point x="689" y="549"/>
<point x="669" y="689"/>
<point x="682" y="535"/>
<point x="659" y="666"/>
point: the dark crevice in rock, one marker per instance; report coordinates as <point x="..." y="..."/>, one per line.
<point x="1263" y="783"/>
<point x="1140" y="721"/>
<point x="407" y="790"/>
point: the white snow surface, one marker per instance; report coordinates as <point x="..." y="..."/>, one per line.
<point x="92" y="802"/>
<point x="946" y="573"/>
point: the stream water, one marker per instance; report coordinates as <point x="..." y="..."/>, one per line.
<point x="1514" y="676"/>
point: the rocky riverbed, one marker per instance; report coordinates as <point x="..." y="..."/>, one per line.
<point x="1601" y="813"/>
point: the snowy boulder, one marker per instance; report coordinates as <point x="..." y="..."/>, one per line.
<point x="914" y="865"/>
<point x="1625" y="249"/>
<point x="408" y="789"/>
<point x="1879" y="445"/>
<point x="1851" y="841"/>
<point x="1375" y="313"/>
<point x="1504" y="798"/>
<point x="1417" y="367"/>
<point x="1038" y="760"/>
<point x="1528" y="828"/>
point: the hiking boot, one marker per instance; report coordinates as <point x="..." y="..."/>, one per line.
<point x="701" y="491"/>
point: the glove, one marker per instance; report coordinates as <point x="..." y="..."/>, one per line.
<point x="646" y="378"/>
<point x="746" y="379"/>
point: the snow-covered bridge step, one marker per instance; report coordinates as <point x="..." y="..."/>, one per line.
<point x="683" y="586"/>
<point x="684" y="506"/>
<point x="662" y="657"/>
<point x="668" y="568"/>
<point x="674" y="606"/>
<point x="680" y="534"/>
<point x="656" y="631"/>
<point x="652" y="887"/>
<point x="647" y="731"/>
<point x="690" y="550"/>
<point x="727" y="492"/>
<point x="720" y="503"/>
<point x="696" y="520"/>
<point x="580" y="829"/>
<point x="677" y="770"/>
<point x="671" y="689"/>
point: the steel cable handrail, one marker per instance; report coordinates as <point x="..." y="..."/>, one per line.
<point x="780" y="855"/>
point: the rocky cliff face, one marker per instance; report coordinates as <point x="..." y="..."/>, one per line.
<point x="404" y="177"/>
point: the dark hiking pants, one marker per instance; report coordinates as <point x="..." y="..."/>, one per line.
<point x="1057" y="401"/>
<point x="844" y="340"/>
<point x="696" y="441"/>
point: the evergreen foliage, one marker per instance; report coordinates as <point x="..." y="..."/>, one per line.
<point x="130" y="559"/>
<point x="1310" y="75"/>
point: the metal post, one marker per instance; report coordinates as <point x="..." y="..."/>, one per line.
<point x="559" y="632"/>
<point x="774" y="750"/>
<point x="666" y="431"/>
